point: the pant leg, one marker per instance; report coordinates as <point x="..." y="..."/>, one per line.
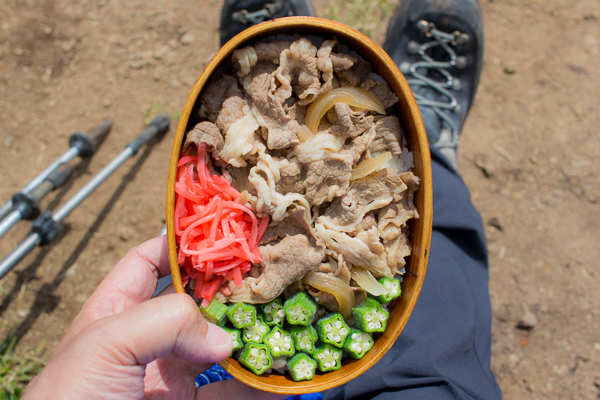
<point x="445" y="349"/>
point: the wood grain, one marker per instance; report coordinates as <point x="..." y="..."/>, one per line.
<point x="412" y="125"/>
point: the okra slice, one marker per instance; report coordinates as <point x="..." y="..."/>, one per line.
<point x="279" y="342"/>
<point x="256" y="333"/>
<point x="358" y="343"/>
<point x="328" y="357"/>
<point x="332" y="329"/>
<point x="274" y="312"/>
<point x="369" y="316"/>
<point x="305" y="338"/>
<point x="236" y="338"/>
<point x="301" y="367"/>
<point x="242" y="315"/>
<point x="216" y="312"/>
<point x="300" y="309"/>
<point x="394" y="289"/>
<point x="256" y="357"/>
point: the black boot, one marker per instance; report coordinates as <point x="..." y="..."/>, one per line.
<point x="438" y="45"/>
<point x="237" y="15"/>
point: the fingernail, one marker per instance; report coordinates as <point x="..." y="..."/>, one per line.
<point x="217" y="337"/>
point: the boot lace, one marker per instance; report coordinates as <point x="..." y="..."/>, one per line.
<point x="259" y="16"/>
<point x="445" y="41"/>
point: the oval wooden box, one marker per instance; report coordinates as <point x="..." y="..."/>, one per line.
<point x="412" y="125"/>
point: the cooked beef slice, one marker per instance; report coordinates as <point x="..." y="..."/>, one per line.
<point x="285" y="262"/>
<point x="368" y="221"/>
<point x="298" y="72"/>
<point x="296" y="112"/>
<point x="394" y="216"/>
<point x="356" y="75"/>
<point x="294" y="224"/>
<point x="365" y="250"/>
<point x="269" y="112"/>
<point x="291" y="178"/>
<point x="369" y="193"/>
<point x="327" y="178"/>
<point x="398" y="249"/>
<point x="381" y="91"/>
<point x="358" y="145"/>
<point x="232" y="109"/>
<point x="388" y="136"/>
<point x="329" y="62"/>
<point x="346" y="122"/>
<point x="246" y="58"/>
<point x="212" y="98"/>
<point x="207" y="133"/>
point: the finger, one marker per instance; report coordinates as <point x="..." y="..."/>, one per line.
<point x="170" y="289"/>
<point x="233" y="389"/>
<point x="171" y="372"/>
<point x="132" y="281"/>
<point x="161" y="326"/>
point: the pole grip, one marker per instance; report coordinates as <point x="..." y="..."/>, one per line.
<point x="158" y="126"/>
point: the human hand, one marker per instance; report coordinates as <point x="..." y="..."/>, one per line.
<point x="123" y="344"/>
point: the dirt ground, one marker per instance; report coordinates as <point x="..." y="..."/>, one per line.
<point x="530" y="153"/>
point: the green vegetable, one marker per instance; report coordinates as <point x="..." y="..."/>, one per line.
<point x="394" y="290"/>
<point x="358" y="343"/>
<point x="300" y="309"/>
<point x="256" y="333"/>
<point x="256" y="357"/>
<point x="301" y="367"/>
<point x="369" y="316"/>
<point x="274" y="313"/>
<point x="279" y="342"/>
<point x="332" y="329"/>
<point x="305" y="338"/>
<point x="216" y="312"/>
<point x="242" y="315"/>
<point x="328" y="358"/>
<point x="236" y="338"/>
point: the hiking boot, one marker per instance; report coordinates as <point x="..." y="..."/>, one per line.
<point x="237" y="15"/>
<point x="438" y="45"/>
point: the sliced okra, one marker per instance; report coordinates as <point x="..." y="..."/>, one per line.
<point x="301" y="367"/>
<point x="274" y="313"/>
<point x="332" y="329"/>
<point x="236" y="338"/>
<point x="358" y="343"/>
<point x="215" y="313"/>
<point x="369" y="316"/>
<point x="394" y="289"/>
<point x="279" y="342"/>
<point x="328" y="357"/>
<point x="256" y="333"/>
<point x="305" y="338"/>
<point x="242" y="315"/>
<point x="256" y="357"/>
<point x="300" y="309"/>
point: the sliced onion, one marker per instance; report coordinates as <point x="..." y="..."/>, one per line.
<point x="352" y="96"/>
<point x="371" y="165"/>
<point x="334" y="285"/>
<point x="366" y="281"/>
<point x="304" y="134"/>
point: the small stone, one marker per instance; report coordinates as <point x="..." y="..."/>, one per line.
<point x="72" y="271"/>
<point x="162" y="51"/>
<point x="187" y="38"/>
<point x="8" y="141"/>
<point x="137" y="64"/>
<point x="107" y="103"/>
<point x="528" y="321"/>
<point x="495" y="222"/>
<point x="510" y="68"/>
<point x="18" y="51"/>
<point x="126" y="233"/>
<point x="68" y="45"/>
<point x="47" y="30"/>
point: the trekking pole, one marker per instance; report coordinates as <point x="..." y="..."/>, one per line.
<point x="80" y="145"/>
<point x="47" y="226"/>
<point x="27" y="205"/>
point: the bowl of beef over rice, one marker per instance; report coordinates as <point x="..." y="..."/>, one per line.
<point x="336" y="210"/>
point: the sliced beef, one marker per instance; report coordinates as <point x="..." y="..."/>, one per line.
<point x="346" y="122"/>
<point x="394" y="216"/>
<point x="212" y="98"/>
<point x="246" y="58"/>
<point x="381" y="91"/>
<point x="270" y="113"/>
<point x="388" y="136"/>
<point x="294" y="224"/>
<point x="355" y="148"/>
<point x="329" y="62"/>
<point x="356" y="75"/>
<point x="298" y="72"/>
<point x="291" y="178"/>
<point x="232" y="110"/>
<point x="369" y="193"/>
<point x="397" y="249"/>
<point x="207" y="133"/>
<point x="364" y="250"/>
<point x="286" y="262"/>
<point x="368" y="221"/>
<point x="327" y="178"/>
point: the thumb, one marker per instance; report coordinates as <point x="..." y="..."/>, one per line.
<point x="164" y="325"/>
